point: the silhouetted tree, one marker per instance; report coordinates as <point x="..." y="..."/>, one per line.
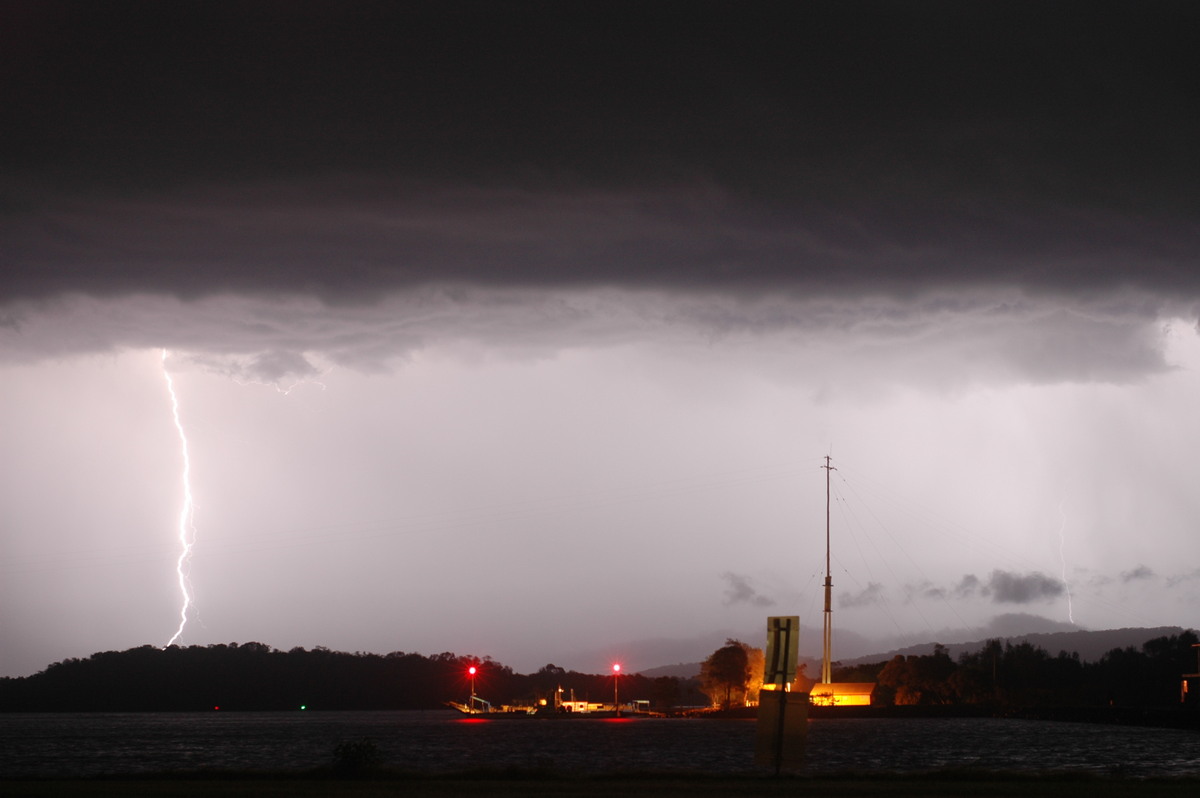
<point x="726" y="672"/>
<point x="665" y="692"/>
<point x="755" y="660"/>
<point x="1149" y="677"/>
<point x="895" y="677"/>
<point x="977" y="679"/>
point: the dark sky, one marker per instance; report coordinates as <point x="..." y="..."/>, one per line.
<point x="521" y="329"/>
<point x="762" y="146"/>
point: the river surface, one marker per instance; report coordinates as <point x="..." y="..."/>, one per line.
<point x="78" y="745"/>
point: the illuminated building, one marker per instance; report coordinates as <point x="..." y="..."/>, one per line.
<point x="842" y="694"/>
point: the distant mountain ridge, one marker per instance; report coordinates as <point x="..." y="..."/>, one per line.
<point x="681" y="670"/>
<point x="1090" y="645"/>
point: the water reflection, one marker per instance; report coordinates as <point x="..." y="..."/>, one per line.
<point x="88" y="745"/>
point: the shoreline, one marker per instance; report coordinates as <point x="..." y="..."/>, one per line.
<point x="1156" y="717"/>
<point x="631" y="785"/>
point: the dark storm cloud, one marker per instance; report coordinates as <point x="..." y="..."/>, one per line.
<point x="738" y="590"/>
<point x="818" y="149"/>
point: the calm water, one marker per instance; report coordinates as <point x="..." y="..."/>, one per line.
<point x="94" y="744"/>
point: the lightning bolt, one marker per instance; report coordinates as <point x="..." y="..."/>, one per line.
<point x="1062" y="542"/>
<point x="187" y="528"/>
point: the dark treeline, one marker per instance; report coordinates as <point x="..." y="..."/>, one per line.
<point x="253" y="676"/>
<point x="1024" y="675"/>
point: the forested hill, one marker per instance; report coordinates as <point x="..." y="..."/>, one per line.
<point x="253" y="676"/>
<point x="1089" y="645"/>
<point x="1015" y="675"/>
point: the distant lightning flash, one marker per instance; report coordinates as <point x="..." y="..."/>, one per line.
<point x="1062" y="542"/>
<point x="187" y="528"/>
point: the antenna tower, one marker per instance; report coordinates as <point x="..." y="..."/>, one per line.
<point x="827" y="643"/>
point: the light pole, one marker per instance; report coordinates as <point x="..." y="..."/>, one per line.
<point x="471" y="701"/>
<point x="616" y="699"/>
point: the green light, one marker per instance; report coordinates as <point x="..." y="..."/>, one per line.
<point x="304" y="706"/>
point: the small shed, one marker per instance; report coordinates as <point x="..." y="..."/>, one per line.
<point x="842" y="694"/>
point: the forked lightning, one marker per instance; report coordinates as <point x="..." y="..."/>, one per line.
<point x="187" y="528"/>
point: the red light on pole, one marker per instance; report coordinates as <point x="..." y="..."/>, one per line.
<point x="471" y="701"/>
<point x="616" y="699"/>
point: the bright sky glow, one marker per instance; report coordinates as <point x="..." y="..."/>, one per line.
<point x="705" y="506"/>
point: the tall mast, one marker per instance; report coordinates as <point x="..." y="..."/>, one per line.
<point x="826" y="658"/>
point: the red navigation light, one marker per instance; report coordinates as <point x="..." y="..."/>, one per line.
<point x="616" y="668"/>
<point x="471" y="670"/>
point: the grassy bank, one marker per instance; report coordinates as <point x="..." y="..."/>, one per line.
<point x="499" y="785"/>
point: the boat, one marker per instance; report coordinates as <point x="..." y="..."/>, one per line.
<point x="477" y="707"/>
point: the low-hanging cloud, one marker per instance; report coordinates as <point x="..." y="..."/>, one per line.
<point x="1137" y="574"/>
<point x="274" y="367"/>
<point x="939" y="338"/>
<point x="1184" y="578"/>
<point x="870" y="595"/>
<point x="925" y="590"/>
<point x="738" y="590"/>
<point x="1010" y="588"/>
<point x="967" y="586"/>
<point x="1006" y="587"/>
